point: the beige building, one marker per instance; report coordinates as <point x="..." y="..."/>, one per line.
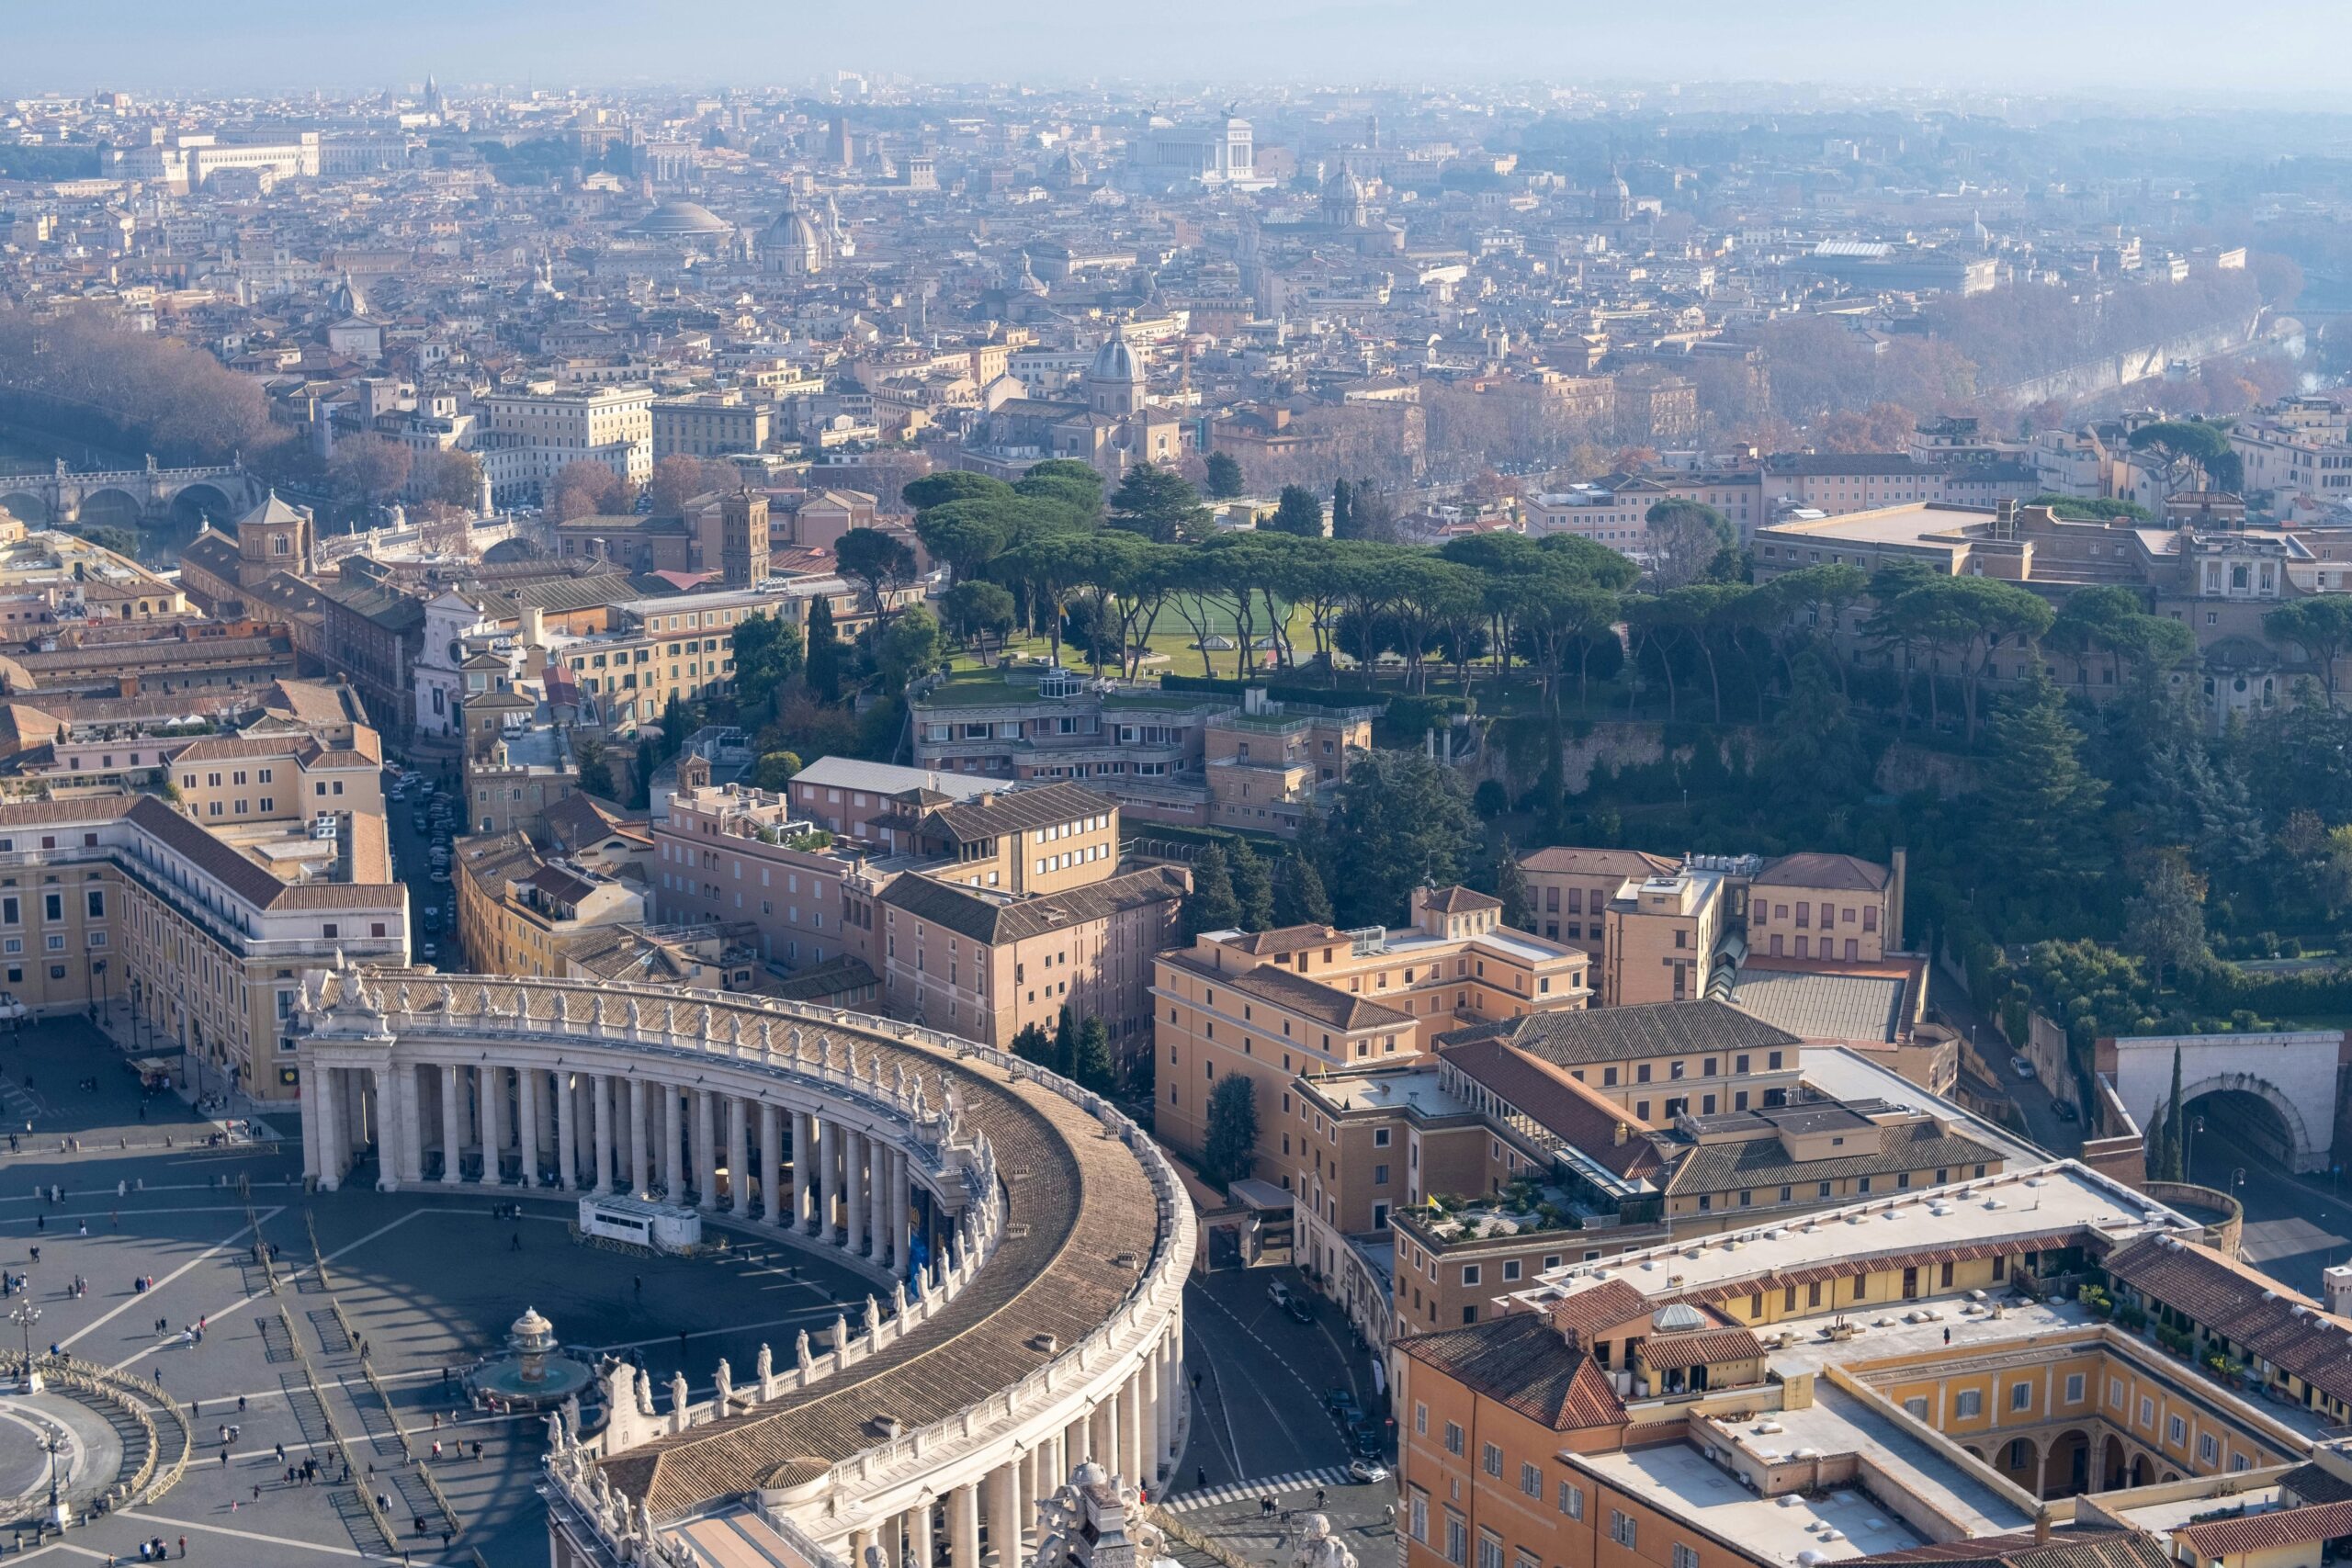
<point x="203" y="930"/>
<point x="1272" y="1005"/>
<point x="520" y="914"/>
<point x="711" y="425"/>
<point x="529" y="438"/>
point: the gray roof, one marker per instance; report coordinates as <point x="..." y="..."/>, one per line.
<point x="1623" y="1033"/>
<point x="888" y="778"/>
<point x="1865" y="1008"/>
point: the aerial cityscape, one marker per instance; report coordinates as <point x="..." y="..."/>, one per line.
<point x="1393" y="787"/>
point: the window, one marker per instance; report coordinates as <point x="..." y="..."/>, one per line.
<point x="2074" y="1388"/>
<point x="1454" y="1439"/>
<point x="2209" y="1449"/>
<point x="52" y="906"/>
<point x="1969" y="1404"/>
<point x="2021" y="1396"/>
<point x="98" y="902"/>
<point x="1684" y="1557"/>
<point x="1490" y="1459"/>
<point x="1620" y="1529"/>
<point x="2176" y="1430"/>
<point x="1421" y="1419"/>
<point x="1530" y="1479"/>
<point x="1420" y="1518"/>
<point x="1490" y="1552"/>
<point x="1470" y="1273"/>
<point x="1571" y="1500"/>
<point x="1457" y="1539"/>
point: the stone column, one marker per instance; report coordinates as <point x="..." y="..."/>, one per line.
<point x="706" y="1166"/>
<point x="567" y="1130"/>
<point x="1131" y="1445"/>
<point x="829" y="1136"/>
<point x="1148" y="1422"/>
<point x="387" y="1130"/>
<point x="805" y="1164"/>
<point x="641" y="1149"/>
<point x="412" y="1095"/>
<point x="527" y="1124"/>
<point x="853" y="1209"/>
<point x="315" y="1101"/>
<point x="1074" y="1445"/>
<point x="674" y="1153"/>
<point x="901" y="1206"/>
<point x="1102" y="1437"/>
<point x="330" y="1130"/>
<point x="600" y="1111"/>
<point x="453" y="1148"/>
<point x="918" y="1535"/>
<point x="964" y="1526"/>
<point x="771" y="1165"/>
<point x="1004" y="1515"/>
<point x="739" y="1157"/>
<point x="878" y="1187"/>
<point x="1171" y="1396"/>
<point x="1025" y="1502"/>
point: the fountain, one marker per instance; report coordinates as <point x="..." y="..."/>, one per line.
<point x="534" y="1374"/>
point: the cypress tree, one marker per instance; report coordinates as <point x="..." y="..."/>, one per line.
<point x="1211" y="906"/>
<point x="2176" y="1141"/>
<point x="1065" y="1045"/>
<point x="824" y="669"/>
<point x="1299" y="898"/>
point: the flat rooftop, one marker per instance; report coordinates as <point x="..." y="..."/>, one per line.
<point x="1851" y="1076"/>
<point x="1682" y="1482"/>
<point x="2060" y="1196"/>
<point x="1420" y="1088"/>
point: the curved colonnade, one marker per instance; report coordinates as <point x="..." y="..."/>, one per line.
<point x="1030" y="1242"/>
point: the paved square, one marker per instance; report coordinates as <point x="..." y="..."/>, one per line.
<point x="427" y="1279"/>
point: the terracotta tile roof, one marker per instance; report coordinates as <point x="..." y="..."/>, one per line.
<point x="1610" y="1304"/>
<point x="2314" y="1484"/>
<point x="1521" y="1360"/>
<point x="2261" y="1532"/>
<point x="976" y="914"/>
<point x="1461" y="900"/>
<point x="1922" y="1145"/>
<point x="2250" y="1309"/>
<point x="2070" y="1547"/>
<point x="1309" y="998"/>
<point x="1621" y="1033"/>
<point x="1615" y="865"/>
<point x="1283" y="940"/>
<point x="1836" y="874"/>
<point x="1578" y="1115"/>
<point x="1018" y="811"/>
<point x="1672" y="1352"/>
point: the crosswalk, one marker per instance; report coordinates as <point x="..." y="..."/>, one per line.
<point x="1278" y="1487"/>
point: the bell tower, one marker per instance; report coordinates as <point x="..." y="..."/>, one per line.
<point x="272" y="537"/>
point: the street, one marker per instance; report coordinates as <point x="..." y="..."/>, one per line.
<point x="407" y="827"/>
<point x="2294" y="1226"/>
<point x="1260" y="1381"/>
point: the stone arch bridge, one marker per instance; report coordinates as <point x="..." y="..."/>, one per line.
<point x="2277" y="1090"/>
<point x="132" y="496"/>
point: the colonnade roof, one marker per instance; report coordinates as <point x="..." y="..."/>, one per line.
<point x="1080" y="1225"/>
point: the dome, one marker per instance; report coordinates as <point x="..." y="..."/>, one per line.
<point x="1115" y="361"/>
<point x="1679" y="1317"/>
<point x="1344" y="185"/>
<point x="682" y="218"/>
<point x="1089" y="1475"/>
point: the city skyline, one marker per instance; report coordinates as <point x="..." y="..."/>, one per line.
<point x="2009" y="47"/>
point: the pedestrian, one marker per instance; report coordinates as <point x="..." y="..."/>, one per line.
<point x="436" y="1447"/>
<point x="241" y="1404"/>
<point x="224" y="1458"/>
<point x="281" y="1453"/>
<point x="477" y="1450"/>
<point x="1200" y="1477"/>
<point x="638" y="1279"/>
<point x="1947" y="1334"/>
<point x="183" y="1546"/>
<point x="257" y="1491"/>
<point x="1319" y="1498"/>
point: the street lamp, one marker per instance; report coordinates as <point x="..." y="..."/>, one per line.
<point x="55" y="1443"/>
<point x="25" y="1317"/>
<point x="2188" y="1164"/>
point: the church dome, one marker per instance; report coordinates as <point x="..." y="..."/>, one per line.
<point x="678" y="217"/>
<point x="1115" y="361"/>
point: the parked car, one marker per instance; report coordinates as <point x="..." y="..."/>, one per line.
<point x="1342" y="1404"/>
<point x="2064" y="1110"/>
<point x="1367" y="1470"/>
<point x="431" y="950"/>
<point x="1300" y="1309"/>
<point x="2023" y="1068"/>
<point x="1278" y="1293"/>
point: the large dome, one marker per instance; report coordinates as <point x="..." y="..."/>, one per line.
<point x="682" y="218"/>
<point x="1115" y="361"/>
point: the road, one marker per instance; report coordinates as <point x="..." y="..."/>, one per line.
<point x="1258" y="1409"/>
<point x="410" y="836"/>
<point x="2043" y="1125"/>
<point x="2294" y="1226"/>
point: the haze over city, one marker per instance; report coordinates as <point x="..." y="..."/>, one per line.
<point x="1507" y="785"/>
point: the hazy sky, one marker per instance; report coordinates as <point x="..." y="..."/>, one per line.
<point x="2159" y="48"/>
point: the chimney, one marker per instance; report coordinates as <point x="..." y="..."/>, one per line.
<point x="2041" y="1525"/>
<point x="1893" y="938"/>
<point x="535" y="627"/>
<point x="1621" y="1133"/>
